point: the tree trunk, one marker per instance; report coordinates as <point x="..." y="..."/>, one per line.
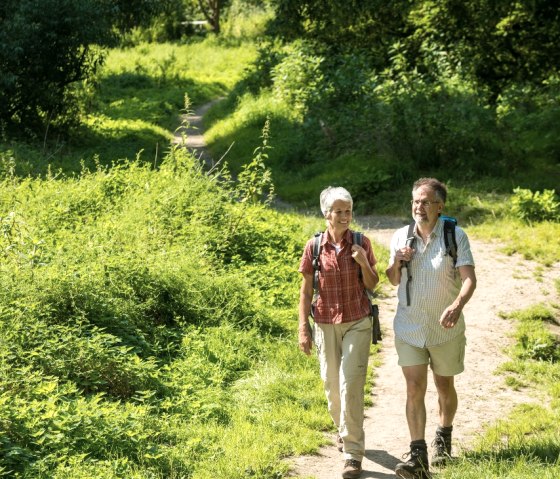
<point x="211" y="10"/>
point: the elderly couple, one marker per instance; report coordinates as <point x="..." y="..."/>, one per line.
<point x="429" y="326"/>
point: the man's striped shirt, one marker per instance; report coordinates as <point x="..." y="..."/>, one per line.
<point x="435" y="285"/>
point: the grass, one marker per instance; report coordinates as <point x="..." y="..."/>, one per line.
<point x="525" y="444"/>
<point x="134" y="108"/>
<point x="537" y="242"/>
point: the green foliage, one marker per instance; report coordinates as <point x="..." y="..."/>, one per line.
<point x="297" y="78"/>
<point x="255" y="182"/>
<point x="534" y="341"/>
<point x="127" y="319"/>
<point x="49" y="48"/>
<point x="408" y="89"/>
<point x="46" y="47"/>
<point x="535" y="206"/>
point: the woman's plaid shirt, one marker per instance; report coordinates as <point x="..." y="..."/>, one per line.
<point x="342" y="297"/>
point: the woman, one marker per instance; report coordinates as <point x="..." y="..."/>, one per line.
<point x="341" y="321"/>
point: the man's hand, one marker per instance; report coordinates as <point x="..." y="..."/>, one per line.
<point x="450" y="316"/>
<point x="404" y="254"/>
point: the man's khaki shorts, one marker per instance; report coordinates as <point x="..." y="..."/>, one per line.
<point x="446" y="359"/>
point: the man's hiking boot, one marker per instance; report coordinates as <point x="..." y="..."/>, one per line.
<point x="417" y="466"/>
<point x="339" y="443"/>
<point x="352" y="469"/>
<point x="442" y="446"/>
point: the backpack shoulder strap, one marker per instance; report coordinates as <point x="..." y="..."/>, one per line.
<point x="410" y="238"/>
<point x="449" y="225"/>
<point x="317" y="239"/>
<point x="410" y="242"/>
<point x="357" y="237"/>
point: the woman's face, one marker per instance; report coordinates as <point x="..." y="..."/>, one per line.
<point x="340" y="216"/>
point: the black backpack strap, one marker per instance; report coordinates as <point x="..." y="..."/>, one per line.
<point x="357" y="238"/>
<point x="316" y="264"/>
<point x="450" y="239"/>
<point x="410" y="241"/>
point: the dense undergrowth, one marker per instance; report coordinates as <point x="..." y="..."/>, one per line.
<point x="146" y="318"/>
<point x="336" y="119"/>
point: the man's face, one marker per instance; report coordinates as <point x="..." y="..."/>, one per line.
<point x="425" y="206"/>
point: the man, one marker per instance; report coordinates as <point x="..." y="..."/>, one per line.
<point x="429" y="325"/>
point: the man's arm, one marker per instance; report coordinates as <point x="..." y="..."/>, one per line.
<point x="393" y="273"/>
<point x="452" y="313"/>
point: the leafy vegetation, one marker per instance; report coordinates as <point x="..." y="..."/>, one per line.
<point x="147" y="306"/>
<point x="145" y="314"/>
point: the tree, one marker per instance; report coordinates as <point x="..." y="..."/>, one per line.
<point x="495" y="42"/>
<point x="367" y="24"/>
<point x="212" y="11"/>
<point x="45" y="46"/>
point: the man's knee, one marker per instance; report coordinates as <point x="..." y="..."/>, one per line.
<point x="416" y="379"/>
<point x="445" y="385"/>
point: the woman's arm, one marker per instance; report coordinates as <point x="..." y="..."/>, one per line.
<point x="305" y="298"/>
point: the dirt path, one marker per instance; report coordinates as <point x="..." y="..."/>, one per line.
<point x="192" y="136"/>
<point x="504" y="284"/>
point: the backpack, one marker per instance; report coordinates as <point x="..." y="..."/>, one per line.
<point x="449" y="238"/>
<point x="357" y="238"/>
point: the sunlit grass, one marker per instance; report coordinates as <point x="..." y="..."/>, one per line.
<point x="537" y="241"/>
<point x="526" y="443"/>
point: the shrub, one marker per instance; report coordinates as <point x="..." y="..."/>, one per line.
<point x="535" y="206"/>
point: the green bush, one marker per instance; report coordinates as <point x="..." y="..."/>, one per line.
<point x="535" y="206"/>
<point x="45" y="48"/>
<point x="132" y="301"/>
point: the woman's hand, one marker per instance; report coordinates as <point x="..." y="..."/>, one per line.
<point x="359" y="255"/>
<point x="305" y="341"/>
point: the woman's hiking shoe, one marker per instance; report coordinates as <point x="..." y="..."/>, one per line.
<point x="417" y="466"/>
<point x="442" y="446"/>
<point x="339" y="443"/>
<point x="352" y="469"/>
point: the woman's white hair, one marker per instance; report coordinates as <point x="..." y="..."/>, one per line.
<point x="332" y="193"/>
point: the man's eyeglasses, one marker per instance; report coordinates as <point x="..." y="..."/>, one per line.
<point x="424" y="203"/>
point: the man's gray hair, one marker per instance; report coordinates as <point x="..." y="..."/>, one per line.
<point x="332" y="193"/>
<point x="437" y="186"/>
